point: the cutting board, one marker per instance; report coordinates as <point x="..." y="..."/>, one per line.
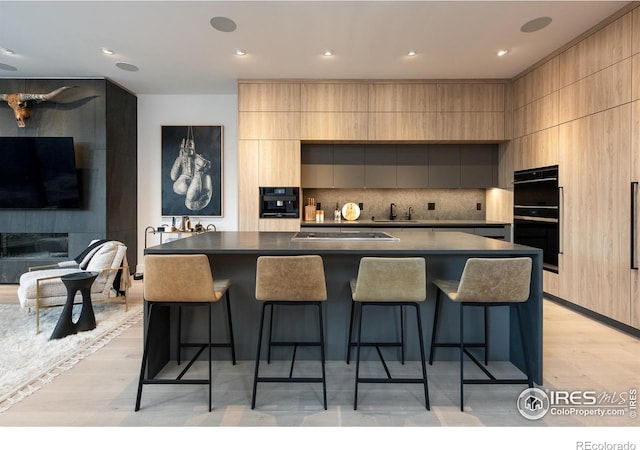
<point x="350" y="211"/>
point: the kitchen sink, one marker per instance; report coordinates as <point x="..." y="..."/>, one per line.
<point x="394" y="221"/>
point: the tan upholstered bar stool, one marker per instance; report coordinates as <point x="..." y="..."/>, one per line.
<point x="389" y="282"/>
<point x="289" y="281"/>
<point x="486" y="282"/>
<point x="182" y="281"/>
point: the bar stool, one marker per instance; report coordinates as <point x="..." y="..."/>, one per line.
<point x="389" y="282"/>
<point x="290" y="281"/>
<point x="485" y="282"/>
<point x="182" y="281"/>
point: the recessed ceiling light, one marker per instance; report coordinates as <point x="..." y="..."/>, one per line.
<point x="535" y="24"/>
<point x="107" y="51"/>
<point x="328" y="52"/>
<point x="502" y="52"/>
<point x="223" y="24"/>
<point x="241" y="52"/>
<point x="411" y="53"/>
<point x="8" y="51"/>
<point x="126" y="66"/>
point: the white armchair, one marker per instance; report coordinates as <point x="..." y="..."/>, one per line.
<point x="42" y="287"/>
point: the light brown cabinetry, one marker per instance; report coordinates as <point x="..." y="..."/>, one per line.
<point x="248" y="187"/>
<point x="279" y="163"/>
<point x="595" y="235"/>
<point x="635" y="223"/>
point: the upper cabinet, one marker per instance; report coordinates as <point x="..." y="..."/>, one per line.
<point x="333" y="111"/>
<point x="399" y="166"/>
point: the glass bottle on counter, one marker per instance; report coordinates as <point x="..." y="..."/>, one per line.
<point x="337" y="215"/>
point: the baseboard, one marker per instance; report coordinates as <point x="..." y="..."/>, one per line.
<point x="595" y="316"/>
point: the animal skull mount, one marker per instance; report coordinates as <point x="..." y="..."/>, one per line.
<point x="20" y="102"/>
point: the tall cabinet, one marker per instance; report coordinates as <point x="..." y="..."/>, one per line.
<point x="579" y="109"/>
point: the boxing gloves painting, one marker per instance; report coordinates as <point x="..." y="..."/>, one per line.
<point x="192" y="170"/>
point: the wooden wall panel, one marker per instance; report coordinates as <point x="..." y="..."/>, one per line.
<point x="470" y="126"/>
<point x="602" y="90"/>
<point x="402" y="126"/>
<point x="602" y="49"/>
<point x="635" y="31"/>
<point x="399" y="97"/>
<point x="268" y="125"/>
<point x="537" y="115"/>
<point x="333" y="126"/>
<point x="248" y="192"/>
<point x="268" y="97"/>
<point x="338" y="97"/>
<point x="635" y="77"/>
<point x="464" y="97"/>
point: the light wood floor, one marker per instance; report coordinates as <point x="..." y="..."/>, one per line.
<point x="579" y="354"/>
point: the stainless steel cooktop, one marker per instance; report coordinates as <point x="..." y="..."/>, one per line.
<point x="343" y="236"/>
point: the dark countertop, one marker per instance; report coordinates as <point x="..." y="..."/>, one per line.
<point x="417" y="223"/>
<point x="274" y="243"/>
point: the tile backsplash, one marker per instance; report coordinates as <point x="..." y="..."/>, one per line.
<point x="450" y="204"/>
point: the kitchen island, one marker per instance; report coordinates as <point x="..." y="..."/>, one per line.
<point x="233" y="255"/>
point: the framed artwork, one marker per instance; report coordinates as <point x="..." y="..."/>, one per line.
<point x="192" y="170"/>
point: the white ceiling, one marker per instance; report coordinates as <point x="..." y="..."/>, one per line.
<point x="177" y="50"/>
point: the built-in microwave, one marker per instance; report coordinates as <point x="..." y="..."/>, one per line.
<point x="280" y="202"/>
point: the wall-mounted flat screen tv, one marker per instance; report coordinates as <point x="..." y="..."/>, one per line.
<point x="38" y="173"/>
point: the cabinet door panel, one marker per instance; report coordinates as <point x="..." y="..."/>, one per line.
<point x="279" y="163"/>
<point x="380" y="166"/>
<point x="594" y="172"/>
<point x="478" y="167"/>
<point x="444" y="166"/>
<point x="348" y="166"/>
<point x="317" y="166"/>
<point x="413" y="166"/>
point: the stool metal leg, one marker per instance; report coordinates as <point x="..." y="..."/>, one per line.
<point x="322" y="357"/>
<point x="461" y="357"/>
<point x="179" y="336"/>
<point x="434" y="329"/>
<point x="402" y="347"/>
<point x="209" y="346"/>
<point x="422" y="359"/>
<point x="350" y="332"/>
<point x="270" y="331"/>
<point x="230" y="325"/>
<point x="255" y="375"/>
<point x="486" y="335"/>
<point x="359" y="318"/>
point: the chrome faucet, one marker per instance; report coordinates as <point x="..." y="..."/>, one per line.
<point x="392" y="216"/>
<point x="409" y="213"/>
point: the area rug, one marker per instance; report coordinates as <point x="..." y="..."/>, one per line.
<point x="28" y="360"/>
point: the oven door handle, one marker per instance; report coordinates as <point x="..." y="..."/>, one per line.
<point x="536" y="219"/>
<point x="561" y="220"/>
<point x="634" y="224"/>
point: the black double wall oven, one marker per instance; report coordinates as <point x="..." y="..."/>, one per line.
<point x="536" y="212"/>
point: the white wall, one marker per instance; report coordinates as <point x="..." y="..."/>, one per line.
<point x="157" y="110"/>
